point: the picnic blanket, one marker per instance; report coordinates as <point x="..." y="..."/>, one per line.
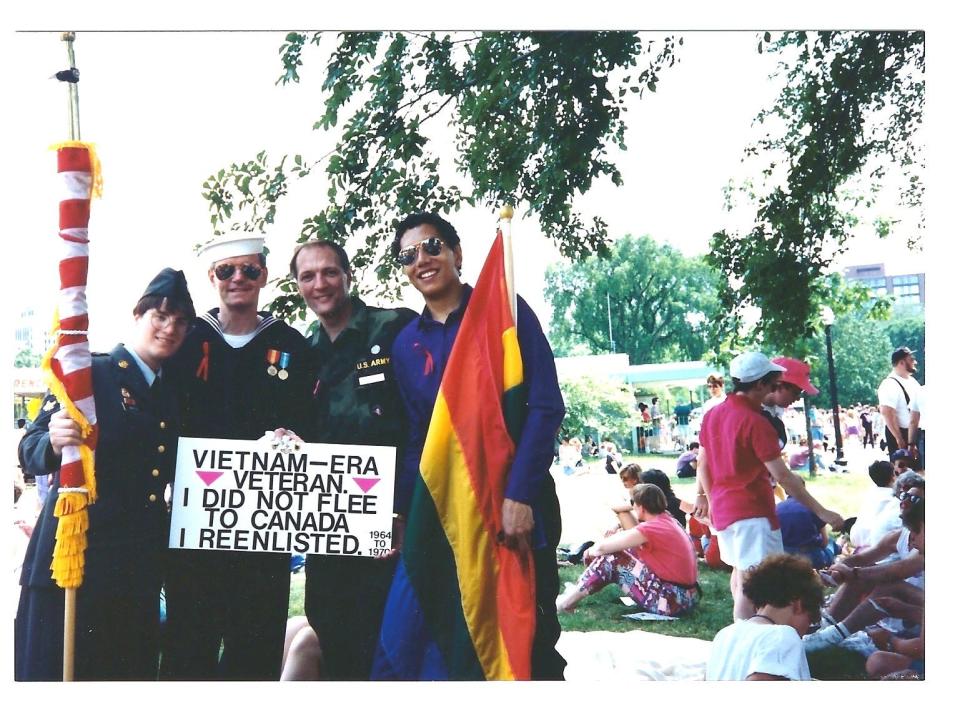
<point x="596" y="655"/>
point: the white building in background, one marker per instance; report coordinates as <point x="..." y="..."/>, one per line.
<point x="32" y="332"/>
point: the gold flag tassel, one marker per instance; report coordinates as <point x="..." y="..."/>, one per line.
<point x="73" y="520"/>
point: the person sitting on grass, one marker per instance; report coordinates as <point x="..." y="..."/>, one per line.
<point x="902" y="658"/>
<point x="631" y="475"/>
<point x="687" y="462"/>
<point x="612" y="459"/>
<point x="902" y="462"/>
<point x="302" y="655"/>
<point x="787" y="595"/>
<point x="805" y="534"/>
<point x="887" y="589"/>
<point x="652" y="560"/>
<point x="675" y="506"/>
<point x="879" y="513"/>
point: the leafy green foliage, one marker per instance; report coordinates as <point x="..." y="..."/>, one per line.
<point x="849" y="111"/>
<point x="861" y="355"/>
<point x="908" y="328"/>
<point x="659" y="303"/>
<point x="865" y="332"/>
<point x="597" y="404"/>
<point x="25" y="358"/>
<point x="532" y="114"/>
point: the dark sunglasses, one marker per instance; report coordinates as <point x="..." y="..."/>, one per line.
<point x="432" y="246"/>
<point x="225" y="271"/>
<point x="909" y="497"/>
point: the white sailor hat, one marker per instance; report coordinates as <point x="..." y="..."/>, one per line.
<point x="752" y="366"/>
<point x="221" y="248"/>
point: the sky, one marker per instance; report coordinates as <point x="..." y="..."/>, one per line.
<point x="167" y="109"/>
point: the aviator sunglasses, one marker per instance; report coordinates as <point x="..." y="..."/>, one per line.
<point x="432" y="246"/>
<point x="225" y="271"/>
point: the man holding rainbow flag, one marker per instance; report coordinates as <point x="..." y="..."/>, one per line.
<point x="475" y="589"/>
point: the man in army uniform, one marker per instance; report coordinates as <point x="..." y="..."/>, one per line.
<point x="356" y="402"/>
<point x="240" y="373"/>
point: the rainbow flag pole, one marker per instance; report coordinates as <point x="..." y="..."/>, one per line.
<point x="67" y="365"/>
<point x="462" y="604"/>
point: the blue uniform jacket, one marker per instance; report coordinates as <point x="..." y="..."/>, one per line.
<point x="419" y="384"/>
<point x="135" y="460"/>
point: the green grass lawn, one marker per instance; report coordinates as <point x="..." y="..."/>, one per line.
<point x="604" y="611"/>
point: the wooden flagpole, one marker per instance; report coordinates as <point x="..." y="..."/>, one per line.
<point x="70" y="594"/>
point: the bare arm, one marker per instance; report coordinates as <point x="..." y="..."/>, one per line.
<point x="868" y="556"/>
<point x="914" y="648"/>
<point x="632" y="538"/>
<point x="627" y="520"/>
<point x="913" y="434"/>
<point x="895" y="571"/>
<point x="701" y="509"/>
<point x="795" y="487"/>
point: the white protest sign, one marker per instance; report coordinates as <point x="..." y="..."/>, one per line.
<point x="232" y="494"/>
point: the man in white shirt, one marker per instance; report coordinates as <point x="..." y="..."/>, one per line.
<point x="880" y="511"/>
<point x="894" y="395"/>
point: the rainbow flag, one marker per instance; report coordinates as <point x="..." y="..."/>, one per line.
<point x="462" y="606"/>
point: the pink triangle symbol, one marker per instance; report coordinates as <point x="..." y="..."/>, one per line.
<point x="208" y="477"/>
<point x="365" y="483"/>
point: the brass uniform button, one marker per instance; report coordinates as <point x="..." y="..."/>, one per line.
<point x="161" y="449"/>
<point x="153" y="498"/>
<point x="163" y="425"/>
<point x="123" y="364"/>
<point x="155" y="473"/>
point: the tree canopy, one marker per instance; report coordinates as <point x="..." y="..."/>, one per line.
<point x="597" y="403"/>
<point x="660" y="303"/>
<point x="849" y="112"/>
<point x="533" y="118"/>
<point x="861" y="354"/>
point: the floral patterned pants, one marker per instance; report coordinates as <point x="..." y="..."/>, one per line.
<point x="637" y="581"/>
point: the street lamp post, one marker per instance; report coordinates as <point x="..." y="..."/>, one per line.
<point x="828" y="319"/>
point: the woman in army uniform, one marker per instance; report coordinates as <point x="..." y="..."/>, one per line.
<point x="118" y="604"/>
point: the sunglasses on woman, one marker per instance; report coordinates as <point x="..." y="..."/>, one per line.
<point x="910" y="497"/>
<point x="432" y="246"/>
<point x="225" y="271"/>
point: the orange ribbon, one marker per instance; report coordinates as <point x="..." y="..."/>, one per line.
<point x="204" y="366"/>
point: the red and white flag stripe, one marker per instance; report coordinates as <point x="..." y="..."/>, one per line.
<point x="71" y="361"/>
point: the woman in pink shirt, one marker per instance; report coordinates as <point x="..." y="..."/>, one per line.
<point x="652" y="559"/>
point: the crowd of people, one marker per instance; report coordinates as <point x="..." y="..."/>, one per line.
<point x="237" y="372"/>
<point x="783" y="556"/>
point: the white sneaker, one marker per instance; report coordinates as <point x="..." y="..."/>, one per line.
<point x="561" y="599"/>
<point x="822" y="639"/>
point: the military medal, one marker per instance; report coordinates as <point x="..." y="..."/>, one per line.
<point x="129" y="403"/>
<point x="284" y="362"/>
<point x="272" y="357"/>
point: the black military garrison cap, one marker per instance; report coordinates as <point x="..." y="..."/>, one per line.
<point x="172" y="285"/>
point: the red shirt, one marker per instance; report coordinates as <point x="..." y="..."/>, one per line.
<point x="668" y="551"/>
<point x="737" y="440"/>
